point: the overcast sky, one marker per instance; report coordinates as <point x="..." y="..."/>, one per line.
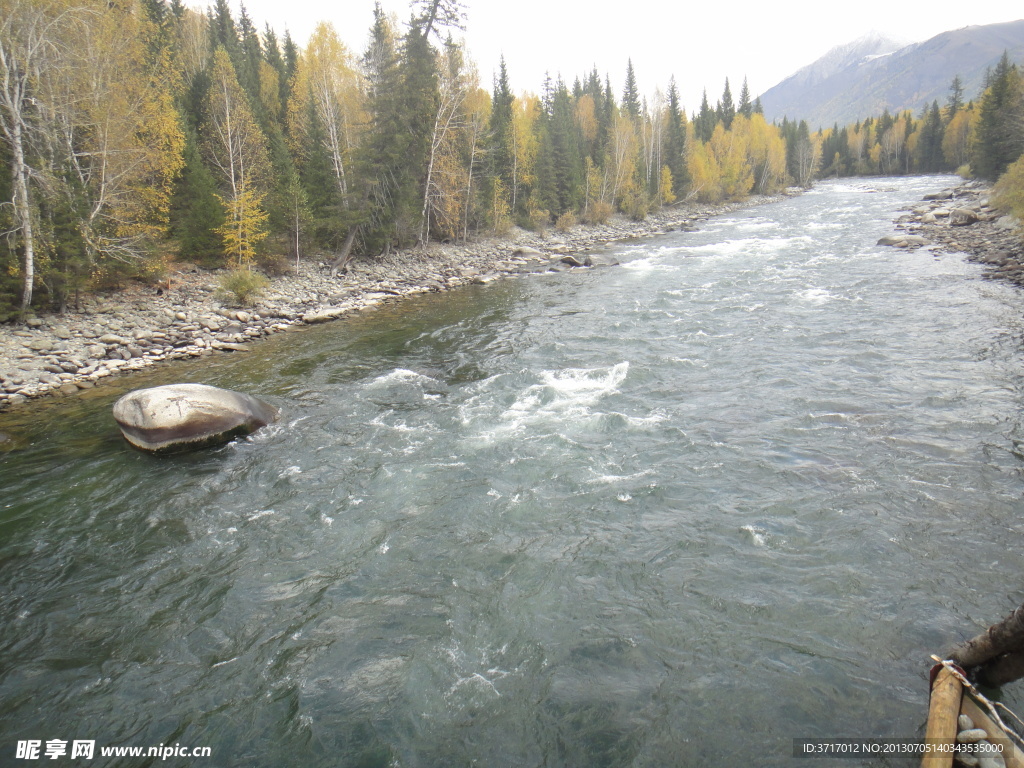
<point x="701" y="42"/>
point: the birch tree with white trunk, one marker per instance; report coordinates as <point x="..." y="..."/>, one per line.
<point x="31" y="47"/>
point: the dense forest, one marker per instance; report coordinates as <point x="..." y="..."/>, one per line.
<point x="140" y="132"/>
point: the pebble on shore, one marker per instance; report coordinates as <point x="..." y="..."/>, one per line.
<point x="113" y="334"/>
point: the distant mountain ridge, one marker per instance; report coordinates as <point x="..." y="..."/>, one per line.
<point x="864" y="77"/>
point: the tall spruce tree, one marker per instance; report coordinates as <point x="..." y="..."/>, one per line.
<point x="727" y="108"/>
<point x="273" y="56"/>
<point x="675" y="140"/>
<point x="705" y="120"/>
<point x="999" y="135"/>
<point x="382" y="151"/>
<point x="420" y="100"/>
<point x="248" y="57"/>
<point x="929" y="142"/>
<point x="745" y="107"/>
<point x="196" y="214"/>
<point x="631" y="93"/>
<point x="955" y="100"/>
<point x="222" y="27"/>
<point x="559" y="159"/>
<point x="502" y="149"/>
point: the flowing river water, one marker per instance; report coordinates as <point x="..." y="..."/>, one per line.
<point x="677" y="512"/>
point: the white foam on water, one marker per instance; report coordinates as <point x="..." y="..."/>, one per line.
<point x="758" y="535"/>
<point x="399" y="375"/>
<point x="404" y="384"/>
<point x="750" y="245"/>
<point x="609" y="479"/>
<point x="565" y="393"/>
<point x="650" y="264"/>
<point x="399" y="426"/>
<point x="815" y="296"/>
<point x="561" y="397"/>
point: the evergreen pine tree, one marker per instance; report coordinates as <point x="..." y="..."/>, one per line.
<point x="248" y="57"/>
<point x="929" y="143"/>
<point x="955" y="101"/>
<point x="727" y="109"/>
<point x="402" y="102"/>
<point x="157" y="11"/>
<point x="745" y="108"/>
<point x="631" y="94"/>
<point x="567" y="159"/>
<point x="195" y="212"/>
<point x="222" y="28"/>
<point x="381" y="151"/>
<point x="675" y="141"/>
<point x="998" y="135"/>
<point x="501" y="141"/>
<point x="272" y="55"/>
<point x="605" y="119"/>
<point x="420" y="99"/>
<point x="705" y="121"/>
<point x="290" y="52"/>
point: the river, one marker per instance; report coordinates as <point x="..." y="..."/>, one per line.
<point x="681" y="512"/>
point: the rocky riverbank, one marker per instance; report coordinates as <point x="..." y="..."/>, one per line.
<point x="961" y="220"/>
<point x="114" y="334"/>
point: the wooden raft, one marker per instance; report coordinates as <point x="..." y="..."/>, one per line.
<point x="948" y="701"/>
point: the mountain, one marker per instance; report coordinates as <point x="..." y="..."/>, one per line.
<point x="874" y="73"/>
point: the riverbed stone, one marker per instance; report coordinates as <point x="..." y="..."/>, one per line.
<point x="962" y="217"/>
<point x="991" y="761"/>
<point x="181" y="417"/>
<point x="527" y="251"/>
<point x="575" y="261"/>
<point x="903" y="241"/>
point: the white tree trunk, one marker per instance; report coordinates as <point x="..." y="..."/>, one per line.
<point x="23" y="214"/>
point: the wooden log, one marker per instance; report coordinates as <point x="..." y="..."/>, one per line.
<point x="340" y="264"/>
<point x="1002" y="669"/>
<point x="943" y="710"/>
<point x="1004" y="637"/>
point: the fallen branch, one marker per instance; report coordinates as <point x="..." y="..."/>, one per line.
<point x="341" y="263"/>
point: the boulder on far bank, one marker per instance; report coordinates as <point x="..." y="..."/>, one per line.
<point x="183" y="417"/>
<point x="903" y="241"/>
<point x="962" y="217"/>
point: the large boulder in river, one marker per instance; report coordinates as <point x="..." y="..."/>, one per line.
<point x="181" y="417"/>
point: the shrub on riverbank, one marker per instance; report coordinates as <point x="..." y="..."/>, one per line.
<point x="243" y="286"/>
